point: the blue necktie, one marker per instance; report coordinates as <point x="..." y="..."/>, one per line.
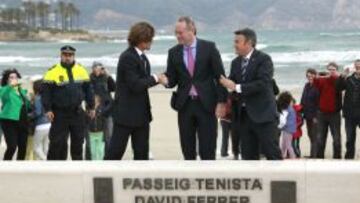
<point x="244" y="64"/>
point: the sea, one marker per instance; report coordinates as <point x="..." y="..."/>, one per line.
<point x="292" y="52"/>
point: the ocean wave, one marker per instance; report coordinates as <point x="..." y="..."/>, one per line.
<point x="17" y="59"/>
<point x="156" y="38"/>
<point x="68" y="41"/>
<point x="157" y="60"/>
<point x="164" y="37"/>
<point x="261" y="46"/>
<point x="315" y="56"/>
<point x="121" y="41"/>
<point x="347" y="34"/>
<point x="33" y="77"/>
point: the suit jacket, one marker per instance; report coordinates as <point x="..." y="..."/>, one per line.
<point x="257" y="91"/>
<point x="351" y="85"/>
<point x="208" y="69"/>
<point x="131" y="105"/>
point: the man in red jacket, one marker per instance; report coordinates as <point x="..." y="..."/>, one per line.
<point x="329" y="110"/>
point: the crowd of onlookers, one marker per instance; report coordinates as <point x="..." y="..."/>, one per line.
<point x="324" y="97"/>
<point x="28" y="134"/>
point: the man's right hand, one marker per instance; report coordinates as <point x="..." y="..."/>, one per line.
<point x="163" y="79"/>
<point x="227" y="83"/>
<point x="50" y="116"/>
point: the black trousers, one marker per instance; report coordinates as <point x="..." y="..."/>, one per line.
<point x="119" y="139"/>
<point x="16" y="135"/>
<point x="350" y="128"/>
<point x="67" y="123"/>
<point x="197" y="125"/>
<point x="236" y="140"/>
<point x="311" y="127"/>
<point x="226" y="128"/>
<point x="253" y="135"/>
<point x="326" y="121"/>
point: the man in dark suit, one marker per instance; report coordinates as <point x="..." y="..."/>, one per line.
<point x="254" y="106"/>
<point x="131" y="107"/>
<point x="195" y="66"/>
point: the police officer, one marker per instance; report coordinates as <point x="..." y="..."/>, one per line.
<point x="66" y="86"/>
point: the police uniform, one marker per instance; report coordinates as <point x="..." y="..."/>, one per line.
<point x="65" y="88"/>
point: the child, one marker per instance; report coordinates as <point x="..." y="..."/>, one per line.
<point x="297" y="135"/>
<point x="42" y="125"/>
<point x="287" y="124"/>
<point x="96" y="131"/>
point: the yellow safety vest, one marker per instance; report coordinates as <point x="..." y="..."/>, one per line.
<point x="58" y="74"/>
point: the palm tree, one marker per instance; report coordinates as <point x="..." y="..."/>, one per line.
<point x="18" y="15"/>
<point x="77" y="16"/>
<point x="43" y="13"/>
<point x="30" y="13"/>
<point x="70" y="14"/>
<point x="62" y="12"/>
<point x="9" y="15"/>
<point x="57" y="14"/>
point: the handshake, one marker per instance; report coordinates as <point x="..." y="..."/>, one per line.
<point x="163" y="79"/>
<point x="227" y="83"/>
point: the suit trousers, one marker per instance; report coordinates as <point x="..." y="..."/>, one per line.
<point x="197" y="125"/>
<point x="119" y="139"/>
<point x="253" y="135"/>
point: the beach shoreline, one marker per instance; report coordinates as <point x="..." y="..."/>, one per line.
<point x="51" y="36"/>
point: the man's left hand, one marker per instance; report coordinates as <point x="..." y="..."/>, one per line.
<point x="220" y="110"/>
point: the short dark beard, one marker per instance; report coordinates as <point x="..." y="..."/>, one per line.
<point x="67" y="65"/>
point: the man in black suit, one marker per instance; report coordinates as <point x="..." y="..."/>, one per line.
<point x="195" y="66"/>
<point x="131" y="107"/>
<point x="254" y="105"/>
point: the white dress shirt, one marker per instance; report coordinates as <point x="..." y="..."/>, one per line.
<point x="141" y="53"/>
<point x="248" y="56"/>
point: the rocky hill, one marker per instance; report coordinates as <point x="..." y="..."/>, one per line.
<point x="223" y="14"/>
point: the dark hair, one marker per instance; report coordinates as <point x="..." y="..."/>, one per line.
<point x="249" y="35"/>
<point x="6" y="74"/>
<point x="284" y="100"/>
<point x="357" y="61"/>
<point x="141" y="32"/>
<point x="333" y="64"/>
<point x="311" y="71"/>
<point x="323" y="73"/>
<point x="190" y="23"/>
<point x="37" y="86"/>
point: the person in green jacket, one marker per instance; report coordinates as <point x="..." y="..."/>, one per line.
<point x="13" y="114"/>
